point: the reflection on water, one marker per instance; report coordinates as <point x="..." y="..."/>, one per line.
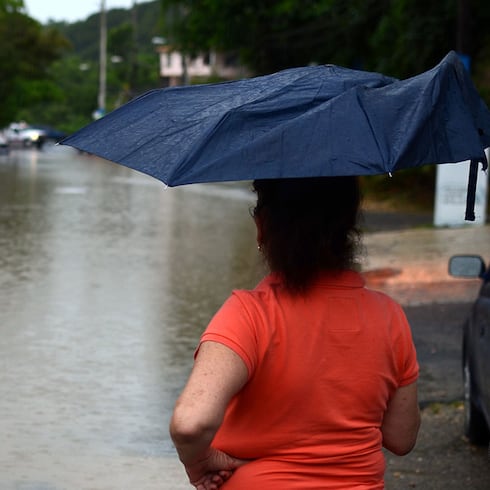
<point x="106" y="282"/>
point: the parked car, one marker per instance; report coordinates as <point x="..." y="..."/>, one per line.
<point x="25" y="135"/>
<point x="21" y="134"/>
<point x="476" y="350"/>
<point x="32" y="137"/>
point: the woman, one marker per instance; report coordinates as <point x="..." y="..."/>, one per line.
<point x="299" y="383"/>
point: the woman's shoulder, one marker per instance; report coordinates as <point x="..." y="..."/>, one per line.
<point x="257" y="300"/>
<point x="267" y="284"/>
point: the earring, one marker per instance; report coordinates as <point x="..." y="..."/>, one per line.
<point x="259" y="247"/>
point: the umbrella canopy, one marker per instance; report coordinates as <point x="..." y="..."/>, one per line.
<point x="301" y="122"/>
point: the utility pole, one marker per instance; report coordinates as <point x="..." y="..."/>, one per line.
<point x="101" y="101"/>
<point x="181" y="14"/>
<point x="133" y="62"/>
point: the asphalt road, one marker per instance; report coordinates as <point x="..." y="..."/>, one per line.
<point x="442" y="459"/>
<point x="437" y="333"/>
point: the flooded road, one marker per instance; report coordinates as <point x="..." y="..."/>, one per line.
<point x="107" y="279"/>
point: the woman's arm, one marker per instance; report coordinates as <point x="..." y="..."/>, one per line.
<point x="218" y="374"/>
<point x="401" y="421"/>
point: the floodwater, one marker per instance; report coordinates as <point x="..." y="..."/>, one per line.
<point x="107" y="279"/>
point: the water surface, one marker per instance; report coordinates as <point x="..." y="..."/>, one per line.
<point x="107" y="279"/>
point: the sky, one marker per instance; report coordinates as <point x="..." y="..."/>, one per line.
<point x="70" y="10"/>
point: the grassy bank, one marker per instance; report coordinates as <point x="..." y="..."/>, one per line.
<point x="407" y="190"/>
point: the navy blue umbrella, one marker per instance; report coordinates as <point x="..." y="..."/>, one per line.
<point x="302" y="122"/>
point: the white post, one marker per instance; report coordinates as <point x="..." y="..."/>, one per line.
<point x="450" y="195"/>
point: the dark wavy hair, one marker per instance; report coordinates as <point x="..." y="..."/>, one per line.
<point x="309" y="225"/>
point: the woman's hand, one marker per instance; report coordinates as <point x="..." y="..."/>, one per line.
<point x="211" y="472"/>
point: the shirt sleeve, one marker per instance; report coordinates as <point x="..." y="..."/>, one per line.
<point x="234" y="327"/>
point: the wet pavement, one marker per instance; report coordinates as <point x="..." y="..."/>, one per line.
<point x="412" y="265"/>
<point x="106" y="281"/>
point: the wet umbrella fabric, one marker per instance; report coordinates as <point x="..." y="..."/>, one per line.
<point x="301" y="122"/>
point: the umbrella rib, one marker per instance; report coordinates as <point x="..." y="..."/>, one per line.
<point x="373" y="132"/>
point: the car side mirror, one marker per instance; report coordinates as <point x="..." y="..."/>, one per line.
<point x="470" y="266"/>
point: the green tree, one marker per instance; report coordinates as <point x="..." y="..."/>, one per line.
<point x="26" y="53"/>
<point x="398" y="37"/>
<point x="74" y="97"/>
<point x="276" y="34"/>
<point x="412" y="36"/>
<point x="267" y="35"/>
<point x="10" y="6"/>
<point x="132" y="65"/>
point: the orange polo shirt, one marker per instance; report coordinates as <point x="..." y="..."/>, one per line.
<point x="322" y="368"/>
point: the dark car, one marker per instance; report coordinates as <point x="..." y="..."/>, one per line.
<point x="476" y="350"/>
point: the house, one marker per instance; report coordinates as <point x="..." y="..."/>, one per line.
<point x="175" y="69"/>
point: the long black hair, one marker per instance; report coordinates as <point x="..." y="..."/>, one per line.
<point x="309" y="225"/>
